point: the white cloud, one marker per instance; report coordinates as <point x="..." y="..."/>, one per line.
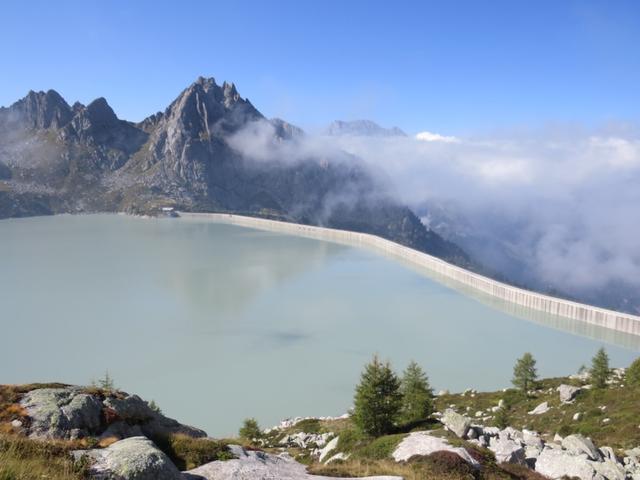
<point x="565" y="202"/>
<point x="435" y="137"/>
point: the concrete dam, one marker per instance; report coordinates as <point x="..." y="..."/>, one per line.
<point x="451" y="274"/>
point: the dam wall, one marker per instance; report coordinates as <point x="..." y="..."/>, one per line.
<point x="621" y="322"/>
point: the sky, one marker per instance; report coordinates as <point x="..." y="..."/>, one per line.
<point x="454" y="67"/>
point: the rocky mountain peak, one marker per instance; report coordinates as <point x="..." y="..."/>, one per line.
<point x="366" y="128"/>
<point x="100" y="112"/>
<point x="42" y="110"/>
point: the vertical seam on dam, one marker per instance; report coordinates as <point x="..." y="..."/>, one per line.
<point x="602" y="317"/>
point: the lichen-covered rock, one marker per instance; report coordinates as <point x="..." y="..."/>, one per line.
<point x="458" y="424"/>
<point x="578" y="444"/>
<point x="62" y="413"/>
<point x="135" y="458"/>
<point x="421" y="443"/>
<point x="258" y="465"/>
<point x="568" y="393"/>
<point x="507" y="451"/>
<point x="610" y="469"/>
<point x="73" y="412"/>
<point x="540" y="409"/>
<point x="532" y="439"/>
<point x="554" y="464"/>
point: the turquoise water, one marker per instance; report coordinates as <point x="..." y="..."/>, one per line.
<point x="217" y="323"/>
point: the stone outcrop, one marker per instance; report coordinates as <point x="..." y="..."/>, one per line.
<point x="62" y="413"/>
<point x="135" y="458"/>
<point x="508" y="451"/>
<point x="456" y="423"/>
<point x="540" y="409"/>
<point x="568" y="393"/>
<point x="578" y="445"/>
<point x="251" y="465"/>
<point x="72" y="412"/>
<point x="422" y="443"/>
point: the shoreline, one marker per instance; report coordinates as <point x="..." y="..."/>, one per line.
<point x="588" y="314"/>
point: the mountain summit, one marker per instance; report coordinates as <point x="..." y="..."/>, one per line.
<point x="55" y="158"/>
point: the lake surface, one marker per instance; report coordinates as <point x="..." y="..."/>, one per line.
<point x="217" y="323"/>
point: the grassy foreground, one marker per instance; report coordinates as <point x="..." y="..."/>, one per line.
<point x="609" y="416"/>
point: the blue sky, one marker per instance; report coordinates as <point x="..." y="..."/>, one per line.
<point x="451" y="67"/>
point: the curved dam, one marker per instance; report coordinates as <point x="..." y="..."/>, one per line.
<point x="447" y="273"/>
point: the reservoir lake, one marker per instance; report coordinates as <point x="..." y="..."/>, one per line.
<point x="217" y="323"/>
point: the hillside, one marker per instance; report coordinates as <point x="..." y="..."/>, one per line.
<point x="564" y="427"/>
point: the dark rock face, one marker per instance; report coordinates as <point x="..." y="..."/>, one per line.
<point x="55" y="158"/>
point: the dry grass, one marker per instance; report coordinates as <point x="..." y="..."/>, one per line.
<point x="105" y="442"/>
<point x="24" y="459"/>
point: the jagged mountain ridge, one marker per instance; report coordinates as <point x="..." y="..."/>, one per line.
<point x="57" y="158"/>
<point x="361" y="128"/>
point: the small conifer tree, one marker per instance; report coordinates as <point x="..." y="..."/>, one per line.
<point x="600" y="370"/>
<point x="106" y="383"/>
<point x="417" y="403"/>
<point x="250" y="429"/>
<point x="377" y="399"/>
<point x="525" y="373"/>
<point x="633" y="374"/>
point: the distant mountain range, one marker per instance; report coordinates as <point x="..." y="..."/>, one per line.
<point x="57" y="158"/>
<point x="362" y="128"/>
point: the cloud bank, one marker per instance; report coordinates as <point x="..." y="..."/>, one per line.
<point x="558" y="208"/>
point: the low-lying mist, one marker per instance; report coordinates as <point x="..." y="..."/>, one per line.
<point x="556" y="208"/>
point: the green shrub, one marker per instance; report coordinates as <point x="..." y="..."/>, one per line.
<point x="381" y="447"/>
<point x="501" y="418"/>
<point x="349" y="440"/>
<point x="8" y="473"/>
<point x="188" y="452"/>
<point x="250" y="430"/>
<point x="565" y="430"/>
<point x="310" y="425"/>
<point x="444" y="463"/>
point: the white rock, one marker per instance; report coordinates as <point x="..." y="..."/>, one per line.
<point x="611" y="470"/>
<point x="568" y="393"/>
<point x="531" y="452"/>
<point x="456" y="423"/>
<point x="339" y="456"/>
<point x="328" y="448"/>
<point x="557" y="464"/>
<point x="507" y="451"/>
<point x="511" y="433"/>
<point x="578" y="444"/>
<point x="260" y="465"/>
<point x="532" y="439"/>
<point x="577" y="416"/>
<point x="421" y="443"/>
<point x="540" y="409"/>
